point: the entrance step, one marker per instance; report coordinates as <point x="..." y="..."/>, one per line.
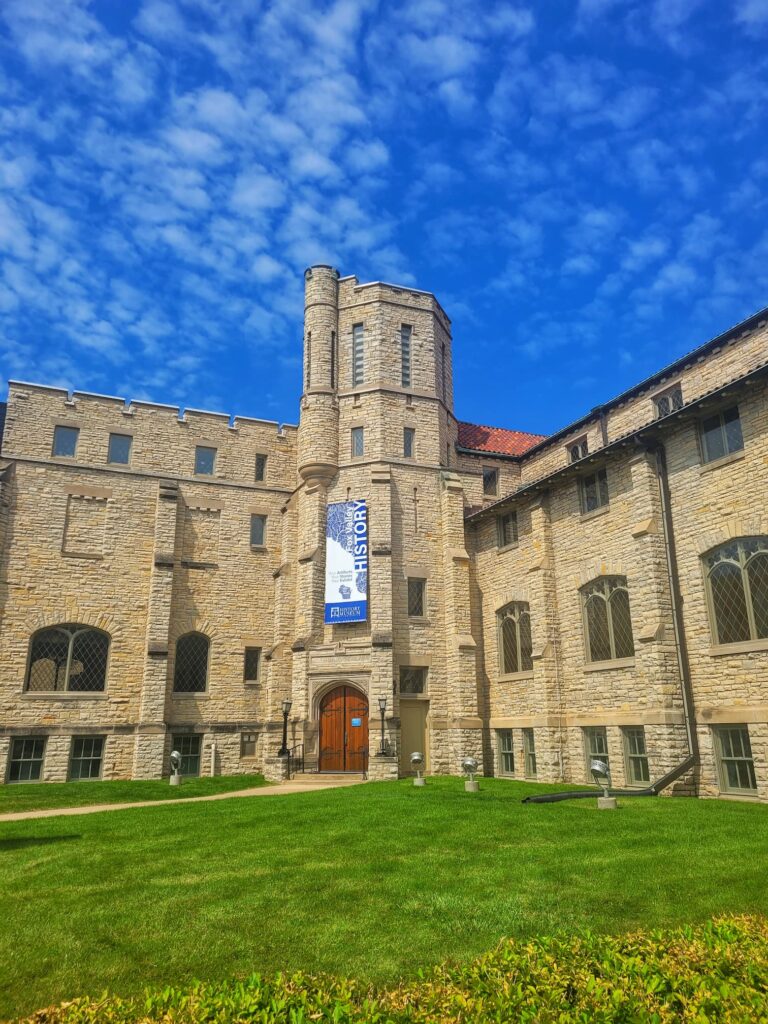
<point x="326" y="779"/>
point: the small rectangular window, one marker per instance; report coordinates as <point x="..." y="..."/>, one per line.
<point x="205" y="461"/>
<point x="258" y="531"/>
<point x="737" y="768"/>
<point x="721" y="435"/>
<point x="529" y="752"/>
<point x="261" y="467"/>
<point x="593" y="491"/>
<point x="119" y="451"/>
<point x="506" y="528"/>
<point x="65" y="441"/>
<point x="26" y="762"/>
<point x="358" y="355"/>
<point x="251" y="664"/>
<point x="595" y="747"/>
<point x="636" y="756"/>
<point x="668" y="401"/>
<point x="416" y="588"/>
<point x="409" y="440"/>
<point x="578" y="449"/>
<point x="405" y="355"/>
<point x="412" y="680"/>
<point x="506" y="752"/>
<point x="86" y="757"/>
<point x="358" y="442"/>
<point x="490" y="480"/>
<point x="248" y="741"/>
<point x="189" y="748"/>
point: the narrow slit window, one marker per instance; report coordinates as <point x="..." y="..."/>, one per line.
<point x="529" y="753"/>
<point x="416" y="588"/>
<point x="258" y="531"/>
<point x="409" y="441"/>
<point x="251" y="664"/>
<point x="506" y="529"/>
<point x="261" y="468"/>
<point x="358" y="355"/>
<point x="358" y="442"/>
<point x="405" y="355"/>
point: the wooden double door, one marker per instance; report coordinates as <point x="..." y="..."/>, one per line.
<point x="343" y="731"/>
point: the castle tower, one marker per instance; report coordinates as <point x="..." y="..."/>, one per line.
<point x="319" y="426"/>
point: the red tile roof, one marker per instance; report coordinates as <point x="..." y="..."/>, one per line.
<point x="496" y="439"/>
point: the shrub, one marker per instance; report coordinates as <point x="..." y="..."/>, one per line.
<point x="717" y="972"/>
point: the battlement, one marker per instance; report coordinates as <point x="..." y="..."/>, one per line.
<point x="163" y="438"/>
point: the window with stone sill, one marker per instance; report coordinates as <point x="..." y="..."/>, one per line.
<point x="248" y="741"/>
<point x="69" y="658"/>
<point x="190" y="670"/>
<point x="668" y="401"/>
<point x="514" y="638"/>
<point x="737" y="590"/>
<point x="578" y="449"/>
<point x="65" y="442"/>
<point x="413" y="681"/>
<point x="490" y="481"/>
<point x="416" y="591"/>
<point x="735" y="762"/>
<point x="607" y="621"/>
<point x="119" y="449"/>
<point x="261" y="468"/>
<point x="251" y="664"/>
<point x="358" y="442"/>
<point x="205" y="460"/>
<point x="26" y="759"/>
<point x="635" y="756"/>
<point x="593" y="491"/>
<point x="86" y="758"/>
<point x="409" y="442"/>
<point x="189" y="747"/>
<point x="595" y="746"/>
<point x="529" y="753"/>
<point x="506" y="749"/>
<point x="258" y="530"/>
<point x="721" y="435"/>
<point x="506" y="529"/>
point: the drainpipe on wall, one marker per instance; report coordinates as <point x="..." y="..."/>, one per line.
<point x="657" y="449"/>
<point x="213" y="758"/>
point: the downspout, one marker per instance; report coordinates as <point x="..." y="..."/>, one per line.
<point x="684" y="665"/>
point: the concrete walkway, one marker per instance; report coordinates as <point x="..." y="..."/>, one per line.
<point x="281" y="789"/>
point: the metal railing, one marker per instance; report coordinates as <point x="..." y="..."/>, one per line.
<point x="295" y="760"/>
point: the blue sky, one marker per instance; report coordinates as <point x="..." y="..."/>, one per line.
<point x="582" y="184"/>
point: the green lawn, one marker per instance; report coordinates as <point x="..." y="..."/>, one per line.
<point x="36" y="796"/>
<point x="373" y="881"/>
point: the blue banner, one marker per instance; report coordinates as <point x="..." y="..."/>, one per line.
<point x="346" y="562"/>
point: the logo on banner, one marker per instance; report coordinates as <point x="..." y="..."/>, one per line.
<point x="346" y="562"/>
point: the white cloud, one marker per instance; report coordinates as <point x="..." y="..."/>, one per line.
<point x="255" y="190"/>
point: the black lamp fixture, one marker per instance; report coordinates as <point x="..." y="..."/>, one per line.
<point x="382" y="708"/>
<point x="283" y="751"/>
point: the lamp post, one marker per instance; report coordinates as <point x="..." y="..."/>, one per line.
<point x="383" y="744"/>
<point x="283" y="751"/>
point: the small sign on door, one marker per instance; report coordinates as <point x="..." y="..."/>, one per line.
<point x="356" y="723"/>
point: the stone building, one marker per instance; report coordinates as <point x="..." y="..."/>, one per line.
<point x="531" y="601"/>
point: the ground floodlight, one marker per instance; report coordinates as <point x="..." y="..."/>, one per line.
<point x="469" y="766"/>
<point x="601" y="773"/>
<point x="417" y="760"/>
<point x="175" y="768"/>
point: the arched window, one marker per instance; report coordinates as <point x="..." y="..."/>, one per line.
<point x="607" y="622"/>
<point x="737" y="581"/>
<point x="69" y="657"/>
<point x="190" y="672"/>
<point x="515" y="646"/>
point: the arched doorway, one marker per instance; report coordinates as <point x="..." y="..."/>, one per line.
<point x="343" y="731"/>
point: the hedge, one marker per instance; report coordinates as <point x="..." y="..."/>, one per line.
<point x="717" y="972"/>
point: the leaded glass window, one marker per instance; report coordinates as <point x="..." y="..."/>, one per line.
<point x="669" y="401"/>
<point x="737" y="769"/>
<point x="190" y="672"/>
<point x="26" y="761"/>
<point x="413" y="681"/>
<point x="515" y="644"/>
<point x="721" y="435"/>
<point x="490" y="480"/>
<point x="737" y="578"/>
<point x="636" y="756"/>
<point x="86" y="757"/>
<point x="607" y="621"/>
<point x="506" y="752"/>
<point x="189" y="748"/>
<point x="69" y="657"/>
<point x="409" y="441"/>
<point x="261" y="467"/>
<point x="593" y="490"/>
<point x="358" y="442"/>
<point x="416" y="588"/>
<point x="251" y="664"/>
<point x="578" y="449"/>
<point x="506" y="528"/>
